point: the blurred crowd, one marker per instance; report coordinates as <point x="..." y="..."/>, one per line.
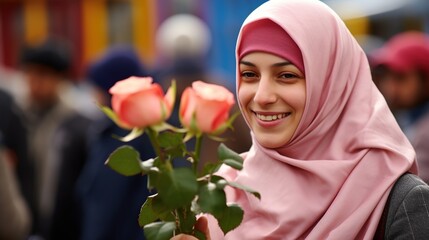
<point x="401" y="72"/>
<point x="54" y="140"/>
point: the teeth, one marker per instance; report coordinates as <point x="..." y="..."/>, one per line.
<point x="271" y="117"/>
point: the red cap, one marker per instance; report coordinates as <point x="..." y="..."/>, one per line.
<point x="404" y="52"/>
<point x="266" y="36"/>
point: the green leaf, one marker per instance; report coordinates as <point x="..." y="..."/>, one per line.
<point x="135" y="133"/>
<point x="177" y="187"/>
<point x="221" y="183"/>
<point x="165" y="126"/>
<point x="152" y="178"/>
<point x="172" y="143"/>
<point x="211" y="199"/>
<point x="170" y="139"/>
<point x="147" y="215"/>
<point x="247" y="189"/>
<point x="188" y="136"/>
<point x="110" y="114"/>
<point x="159" y="230"/>
<point x="233" y="163"/>
<point x="226" y="153"/>
<point x="217" y="138"/>
<point x="125" y="160"/>
<point x="231" y="218"/>
<point x="163" y="212"/>
<point x="210" y="168"/>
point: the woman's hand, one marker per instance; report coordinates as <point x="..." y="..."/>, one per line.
<point x="201" y="225"/>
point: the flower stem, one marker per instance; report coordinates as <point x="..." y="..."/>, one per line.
<point x="155" y="144"/>
<point x="198" y="139"/>
<point x="186" y="220"/>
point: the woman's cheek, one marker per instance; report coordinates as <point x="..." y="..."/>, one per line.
<point x="244" y="97"/>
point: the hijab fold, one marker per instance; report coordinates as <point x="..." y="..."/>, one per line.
<point x="332" y="180"/>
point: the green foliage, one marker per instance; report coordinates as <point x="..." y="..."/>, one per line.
<point x="163" y="212"/>
<point x="135" y="133"/>
<point x="182" y="193"/>
<point x="226" y="153"/>
<point x="147" y="214"/>
<point x="125" y="160"/>
<point x="221" y="183"/>
<point x="110" y="114"/>
<point x="211" y="199"/>
<point x="230" y="218"/>
<point x="172" y="143"/>
<point x="177" y="187"/>
<point x="159" y="230"/>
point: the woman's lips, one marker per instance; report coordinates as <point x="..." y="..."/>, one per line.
<point x="270" y="119"/>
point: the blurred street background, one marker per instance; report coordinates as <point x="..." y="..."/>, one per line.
<point x="88" y="27"/>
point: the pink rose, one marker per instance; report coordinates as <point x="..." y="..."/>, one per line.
<point x="139" y="103"/>
<point x="207" y="104"/>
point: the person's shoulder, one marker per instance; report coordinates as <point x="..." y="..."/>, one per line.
<point x="408" y="211"/>
<point x="417" y="192"/>
<point x="409" y="188"/>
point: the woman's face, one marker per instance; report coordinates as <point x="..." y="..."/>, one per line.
<point x="272" y="96"/>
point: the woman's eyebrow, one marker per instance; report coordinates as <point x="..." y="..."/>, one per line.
<point x="281" y="64"/>
<point x="247" y="63"/>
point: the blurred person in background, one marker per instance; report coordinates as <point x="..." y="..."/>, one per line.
<point x="15" y="172"/>
<point x="401" y="72"/>
<point x="184" y="42"/>
<point x="12" y="81"/>
<point x="111" y="202"/>
<point x="56" y="138"/>
<point x="15" y="218"/>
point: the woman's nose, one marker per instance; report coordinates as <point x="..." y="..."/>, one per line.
<point x="265" y="92"/>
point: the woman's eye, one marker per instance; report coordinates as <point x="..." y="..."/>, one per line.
<point x="288" y="75"/>
<point x="248" y="75"/>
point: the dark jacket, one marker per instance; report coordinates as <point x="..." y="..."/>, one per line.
<point x="111" y="202"/>
<point x="406" y="214"/>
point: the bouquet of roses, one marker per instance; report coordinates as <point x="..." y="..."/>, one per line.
<point x="181" y="194"/>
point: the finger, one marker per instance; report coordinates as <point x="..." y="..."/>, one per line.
<point x="183" y="237"/>
<point x="202" y="226"/>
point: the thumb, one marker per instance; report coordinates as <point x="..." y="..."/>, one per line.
<point x="202" y="226"/>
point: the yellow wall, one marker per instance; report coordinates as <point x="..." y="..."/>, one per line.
<point x="94" y="35"/>
<point x="358" y="26"/>
<point x="144" y="23"/>
<point x="35" y="21"/>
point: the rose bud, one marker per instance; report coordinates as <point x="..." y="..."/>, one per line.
<point x="205" y="107"/>
<point x="139" y="103"/>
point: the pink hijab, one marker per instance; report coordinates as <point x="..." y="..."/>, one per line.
<point x="332" y="180"/>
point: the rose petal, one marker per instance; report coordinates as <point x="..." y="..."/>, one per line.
<point x="210" y="114"/>
<point x="142" y="109"/>
<point x="169" y="99"/>
<point x="131" y="85"/>
<point x="212" y="92"/>
<point x="187" y="106"/>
